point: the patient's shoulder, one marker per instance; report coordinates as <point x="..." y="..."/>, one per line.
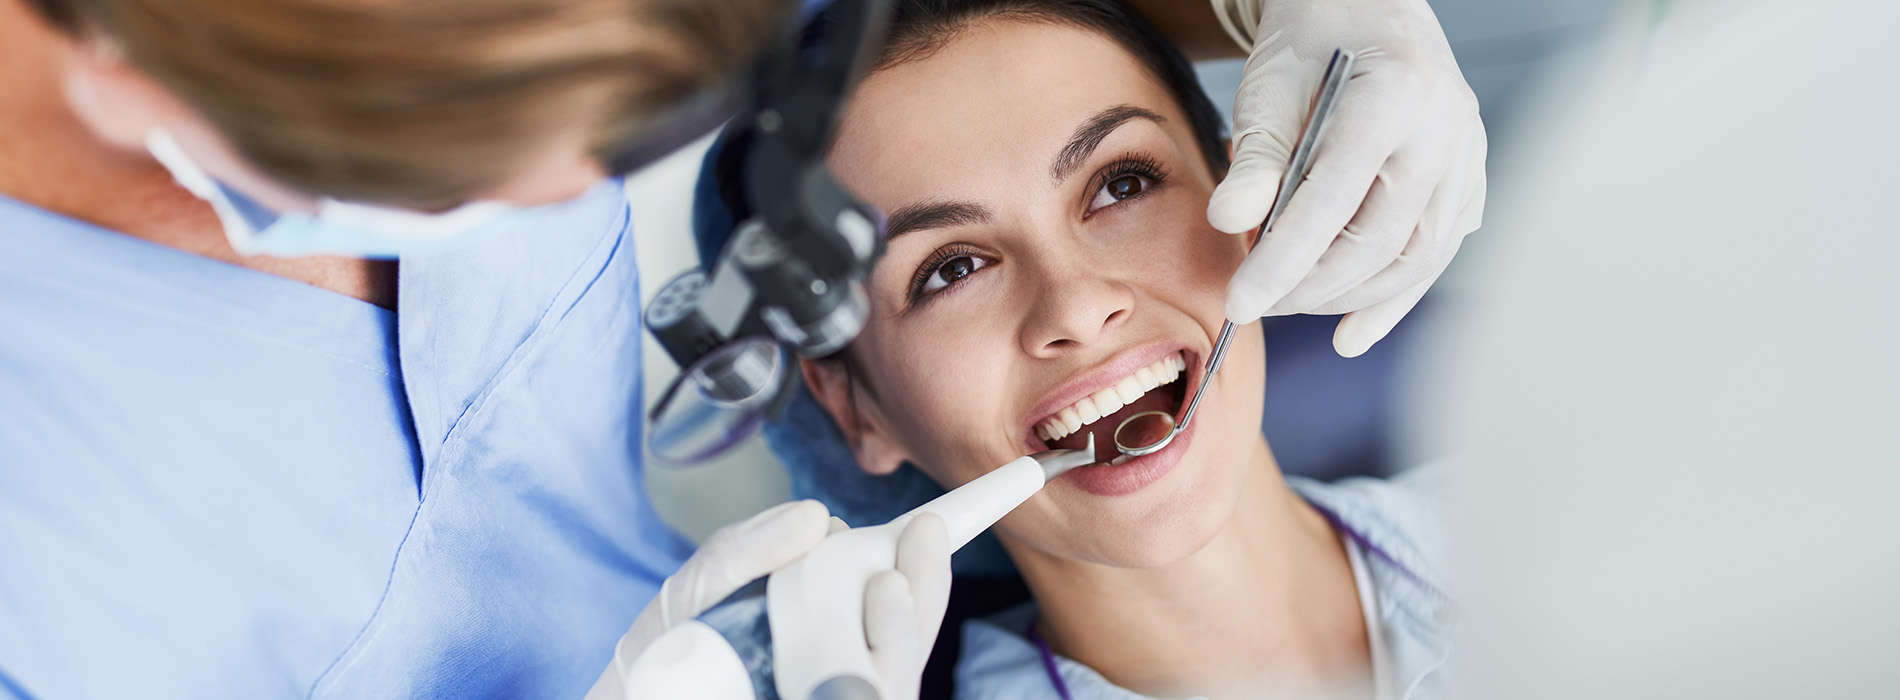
<point x="999" y="660"/>
<point x="1398" y="520"/>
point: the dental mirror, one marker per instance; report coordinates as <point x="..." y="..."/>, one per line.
<point x="1147" y="432"/>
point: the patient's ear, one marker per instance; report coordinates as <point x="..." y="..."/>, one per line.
<point x="856" y="414"/>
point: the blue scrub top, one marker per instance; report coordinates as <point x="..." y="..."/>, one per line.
<point x="218" y="483"/>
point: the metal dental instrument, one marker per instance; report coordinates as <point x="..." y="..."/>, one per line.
<point x="1149" y="431"/>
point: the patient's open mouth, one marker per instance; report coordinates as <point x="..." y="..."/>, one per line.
<point x="1155" y="387"/>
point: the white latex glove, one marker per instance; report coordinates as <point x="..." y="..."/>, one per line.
<point x="730" y="558"/>
<point x="903" y="608"/>
<point x="1397" y="178"/>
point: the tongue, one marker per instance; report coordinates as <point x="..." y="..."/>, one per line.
<point x="1161" y="398"/>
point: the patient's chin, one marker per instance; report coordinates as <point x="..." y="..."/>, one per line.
<point x="1157" y="538"/>
<point x="1154" y="548"/>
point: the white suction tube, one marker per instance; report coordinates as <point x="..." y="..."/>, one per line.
<point x="816" y="606"/>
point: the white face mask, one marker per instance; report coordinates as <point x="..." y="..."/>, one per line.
<point x="337" y="227"/>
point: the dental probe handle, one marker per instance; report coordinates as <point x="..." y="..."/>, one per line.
<point x="970" y="509"/>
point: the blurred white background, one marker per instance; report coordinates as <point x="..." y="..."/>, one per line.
<point x="1672" y="376"/>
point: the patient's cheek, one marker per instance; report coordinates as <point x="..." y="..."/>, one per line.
<point x="929" y="409"/>
<point x="1198" y="259"/>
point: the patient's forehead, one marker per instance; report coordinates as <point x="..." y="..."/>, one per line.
<point x="985" y="114"/>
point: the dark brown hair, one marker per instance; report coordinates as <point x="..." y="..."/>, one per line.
<point x="920" y="28"/>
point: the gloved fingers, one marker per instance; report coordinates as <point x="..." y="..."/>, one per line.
<point x="1359" y="330"/>
<point x="1464" y="185"/>
<point x="736" y="554"/>
<point x="1434" y="239"/>
<point x="1398" y="277"/>
<point x="1270" y="109"/>
<point x="731" y="557"/>
<point x="1406" y="98"/>
<point x="903" y="607"/>
<point x="837" y="525"/>
<point x="1349" y="155"/>
<point x="890" y="629"/>
<point x="1383" y="229"/>
<point x="1241" y="200"/>
<point x="923" y="555"/>
<point x="1471" y="215"/>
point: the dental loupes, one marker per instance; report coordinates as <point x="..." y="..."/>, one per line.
<point x="1149" y="431"/>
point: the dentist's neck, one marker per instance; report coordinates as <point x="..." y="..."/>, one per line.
<point x="1269" y="603"/>
<point x="50" y="160"/>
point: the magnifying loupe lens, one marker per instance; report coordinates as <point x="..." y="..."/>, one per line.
<point x="717" y="402"/>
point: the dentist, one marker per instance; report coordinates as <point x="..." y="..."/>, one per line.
<point x="244" y="452"/>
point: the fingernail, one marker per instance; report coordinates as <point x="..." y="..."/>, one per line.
<point x="1350" y="344"/>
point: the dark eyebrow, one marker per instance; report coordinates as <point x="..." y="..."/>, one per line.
<point x="1090" y="135"/>
<point x="917" y="217"/>
<point x="1081" y="145"/>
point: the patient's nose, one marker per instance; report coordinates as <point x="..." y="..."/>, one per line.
<point x="1071" y="307"/>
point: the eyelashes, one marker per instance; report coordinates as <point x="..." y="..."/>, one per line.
<point x="1131" y="177"/>
<point x="1111" y="185"/>
<point x="934" y="266"/>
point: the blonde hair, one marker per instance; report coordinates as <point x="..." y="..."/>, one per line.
<point x="422" y="103"/>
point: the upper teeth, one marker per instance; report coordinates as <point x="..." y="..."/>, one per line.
<point x="1107" y="401"/>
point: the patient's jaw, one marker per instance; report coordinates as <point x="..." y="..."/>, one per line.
<point x="1048" y="210"/>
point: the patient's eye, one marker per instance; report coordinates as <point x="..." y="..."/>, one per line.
<point x="952" y="270"/>
<point x="947" y="267"/>
<point x="1130" y="178"/>
<point x="1119" y="189"/>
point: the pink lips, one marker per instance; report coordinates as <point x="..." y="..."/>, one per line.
<point x="1093" y="380"/>
<point x="1138" y="472"/>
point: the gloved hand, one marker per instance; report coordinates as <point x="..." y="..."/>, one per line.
<point x="903" y="608"/>
<point x="1397" y="178"/>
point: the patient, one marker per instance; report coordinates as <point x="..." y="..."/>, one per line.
<point x="1050" y="271"/>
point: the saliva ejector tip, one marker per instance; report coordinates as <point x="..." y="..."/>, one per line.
<point x="1058" y="462"/>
